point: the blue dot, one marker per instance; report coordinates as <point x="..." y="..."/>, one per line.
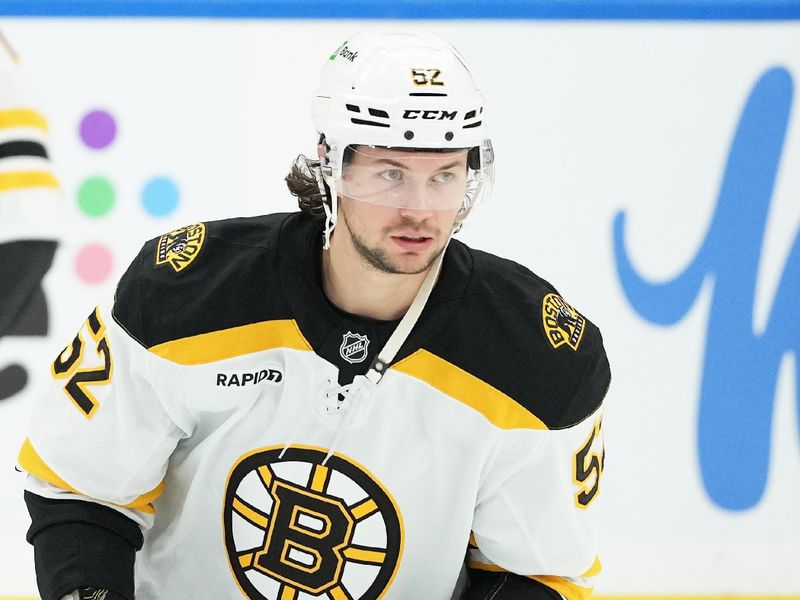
<point x="160" y="196"/>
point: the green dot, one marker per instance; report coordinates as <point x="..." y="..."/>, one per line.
<point x="96" y="196"/>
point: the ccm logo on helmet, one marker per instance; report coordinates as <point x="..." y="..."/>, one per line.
<point x="430" y="115"/>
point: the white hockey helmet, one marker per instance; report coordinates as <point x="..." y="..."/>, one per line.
<point x="402" y="91"/>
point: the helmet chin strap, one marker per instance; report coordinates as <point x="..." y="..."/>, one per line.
<point x="328" y="189"/>
<point x="385" y="357"/>
<point x="330" y="222"/>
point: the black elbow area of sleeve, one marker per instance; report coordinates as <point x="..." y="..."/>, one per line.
<point x="23" y="264"/>
<point x="78" y="544"/>
<point x="506" y="586"/>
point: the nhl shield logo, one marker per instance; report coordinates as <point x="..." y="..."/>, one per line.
<point x="354" y="347"/>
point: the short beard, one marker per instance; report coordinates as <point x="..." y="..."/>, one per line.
<point x="377" y="259"/>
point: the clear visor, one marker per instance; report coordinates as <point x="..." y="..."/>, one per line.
<point x="410" y="179"/>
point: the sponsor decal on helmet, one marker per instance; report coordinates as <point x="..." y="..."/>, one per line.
<point x="179" y="248"/>
<point x="354" y="347"/>
<point x="345" y="53"/>
<point x="562" y="323"/>
<point x="291" y="525"/>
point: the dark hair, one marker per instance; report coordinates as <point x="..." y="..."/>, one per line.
<point x="303" y="184"/>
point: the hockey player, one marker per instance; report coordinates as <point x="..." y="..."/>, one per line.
<point x="29" y="201"/>
<point x="338" y="403"/>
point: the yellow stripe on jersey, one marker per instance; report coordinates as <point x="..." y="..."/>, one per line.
<point x="22" y="117"/>
<point x="266" y="476"/>
<point x="481" y="566"/>
<point x="594" y="569"/>
<point x="364" y="509"/>
<point x="144" y="502"/>
<point x="18" y="180"/>
<point x="229" y="343"/>
<point x="288" y="593"/>
<point x="246" y="560"/>
<point x="365" y="555"/>
<point x="250" y="514"/>
<point x="31" y="462"/>
<point x="337" y="593"/>
<point x="318" y="478"/>
<point x="501" y="410"/>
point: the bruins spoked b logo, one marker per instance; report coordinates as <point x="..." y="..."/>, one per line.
<point x="295" y="525"/>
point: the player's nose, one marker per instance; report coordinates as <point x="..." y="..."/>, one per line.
<point x="418" y="201"/>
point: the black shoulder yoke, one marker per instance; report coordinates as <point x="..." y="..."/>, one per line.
<point x="202" y="278"/>
<point x="515" y="332"/>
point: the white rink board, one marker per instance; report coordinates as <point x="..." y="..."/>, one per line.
<point x="587" y="120"/>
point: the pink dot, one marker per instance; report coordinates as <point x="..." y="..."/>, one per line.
<point x="94" y="263"/>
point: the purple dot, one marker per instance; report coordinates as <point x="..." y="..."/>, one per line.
<point x="98" y="129"/>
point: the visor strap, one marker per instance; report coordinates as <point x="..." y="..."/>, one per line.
<point x="330" y="215"/>
<point x="389" y="351"/>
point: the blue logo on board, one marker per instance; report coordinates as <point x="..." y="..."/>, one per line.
<point x="740" y="366"/>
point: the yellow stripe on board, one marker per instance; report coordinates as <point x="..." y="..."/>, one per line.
<point x="501" y="410"/>
<point x="22" y="117"/>
<point x="31" y="462"/>
<point x="18" y="180"/>
<point x="229" y="343"/>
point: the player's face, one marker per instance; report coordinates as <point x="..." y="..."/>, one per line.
<point x="403" y="206"/>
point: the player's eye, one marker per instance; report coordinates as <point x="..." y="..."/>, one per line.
<point x="391" y="174"/>
<point x="444" y="177"/>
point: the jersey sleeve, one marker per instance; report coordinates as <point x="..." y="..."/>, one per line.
<point x="31" y="202"/>
<point x="105" y="427"/>
<point x="537" y="516"/>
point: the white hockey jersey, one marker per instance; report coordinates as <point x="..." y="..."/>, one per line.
<point x="205" y="404"/>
